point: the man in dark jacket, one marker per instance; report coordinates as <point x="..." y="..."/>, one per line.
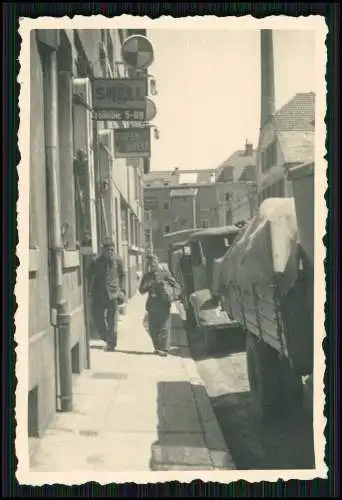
<point x="107" y="288"/>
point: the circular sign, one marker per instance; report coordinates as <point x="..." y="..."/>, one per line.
<point x="137" y="52"/>
<point x="151" y="109"/>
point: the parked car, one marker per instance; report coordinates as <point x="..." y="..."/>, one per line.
<point x="208" y="324"/>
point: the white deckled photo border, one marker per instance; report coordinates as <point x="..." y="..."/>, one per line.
<point x="316" y="23"/>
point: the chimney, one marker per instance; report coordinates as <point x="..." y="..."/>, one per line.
<point x="248" y="149"/>
<point x="267" y="77"/>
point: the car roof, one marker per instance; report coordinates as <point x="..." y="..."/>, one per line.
<point x="215" y="231"/>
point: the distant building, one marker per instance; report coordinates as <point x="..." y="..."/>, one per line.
<point x="182" y="199"/>
<point x="287" y="139"/>
<point x="236" y="186"/>
<point x="176" y="200"/>
<point x="287" y="136"/>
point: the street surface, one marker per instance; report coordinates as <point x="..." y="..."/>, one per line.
<point x="135" y="411"/>
<point x="285" y="445"/>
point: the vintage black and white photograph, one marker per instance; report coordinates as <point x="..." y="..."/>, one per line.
<point x="171" y="284"/>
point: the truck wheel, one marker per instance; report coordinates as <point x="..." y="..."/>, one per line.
<point x="264" y="375"/>
<point x="190" y="319"/>
<point x="292" y="389"/>
<point x="190" y="324"/>
<point x="297" y="316"/>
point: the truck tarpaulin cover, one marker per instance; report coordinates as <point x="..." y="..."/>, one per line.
<point x="268" y="245"/>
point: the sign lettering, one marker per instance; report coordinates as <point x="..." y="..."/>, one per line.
<point x="121" y="94"/>
<point x="132" y="143"/>
<point x="120" y="116"/>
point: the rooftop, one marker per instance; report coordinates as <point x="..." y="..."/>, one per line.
<point x="297" y="115"/>
<point x="177" y="176"/>
<point x="297" y="146"/>
<point x="233" y="167"/>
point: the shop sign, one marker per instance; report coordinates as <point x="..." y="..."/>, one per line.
<point x="120" y="95"/>
<point x="132" y="143"/>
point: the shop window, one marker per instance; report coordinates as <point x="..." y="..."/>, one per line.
<point x="84" y="164"/>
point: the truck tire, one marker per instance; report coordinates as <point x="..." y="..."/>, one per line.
<point x="264" y="375"/>
<point x="190" y="324"/>
<point x="190" y="318"/>
<point x="292" y="389"/>
<point x="297" y="316"/>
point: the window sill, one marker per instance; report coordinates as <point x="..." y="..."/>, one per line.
<point x="86" y="251"/>
<point x="33" y="260"/>
<point x="71" y="259"/>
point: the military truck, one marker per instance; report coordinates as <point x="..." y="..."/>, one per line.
<point x="192" y="263"/>
<point x="266" y="282"/>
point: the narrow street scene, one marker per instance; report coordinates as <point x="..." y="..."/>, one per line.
<point x="134" y="411"/>
<point x="172" y="239"/>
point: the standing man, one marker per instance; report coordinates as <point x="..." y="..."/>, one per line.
<point x="107" y="288"/>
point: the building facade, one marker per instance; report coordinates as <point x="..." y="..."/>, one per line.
<point x="286" y="140"/>
<point x="183" y="199"/>
<point x="236" y="186"/>
<point x="178" y="200"/>
<point x="79" y="193"/>
<point x="286" y="136"/>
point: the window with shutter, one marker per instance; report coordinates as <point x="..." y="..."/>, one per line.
<point x="65" y="134"/>
<point x="83" y="146"/>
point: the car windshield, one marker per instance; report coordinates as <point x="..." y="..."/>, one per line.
<point x="216" y="246"/>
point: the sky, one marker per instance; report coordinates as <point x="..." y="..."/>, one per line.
<point x="208" y="84"/>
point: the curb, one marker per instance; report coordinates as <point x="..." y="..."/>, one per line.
<point x="217" y="448"/>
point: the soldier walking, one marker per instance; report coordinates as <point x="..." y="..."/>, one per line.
<point x="107" y="289"/>
<point x="162" y="290"/>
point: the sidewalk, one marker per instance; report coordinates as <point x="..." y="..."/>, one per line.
<point x="134" y="411"/>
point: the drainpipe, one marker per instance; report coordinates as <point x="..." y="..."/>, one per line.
<point x="194" y="211"/>
<point x="52" y="164"/>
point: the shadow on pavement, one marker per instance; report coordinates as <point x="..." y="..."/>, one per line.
<point x="180" y="444"/>
<point x="225" y="343"/>
<point x="286" y="444"/>
<point x="178" y="338"/>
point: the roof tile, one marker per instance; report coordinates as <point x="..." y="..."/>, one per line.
<point x="298" y="114"/>
<point x="297" y="146"/>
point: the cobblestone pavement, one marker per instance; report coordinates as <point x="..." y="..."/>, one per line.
<point x="135" y="411"/>
<point x="285" y="444"/>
